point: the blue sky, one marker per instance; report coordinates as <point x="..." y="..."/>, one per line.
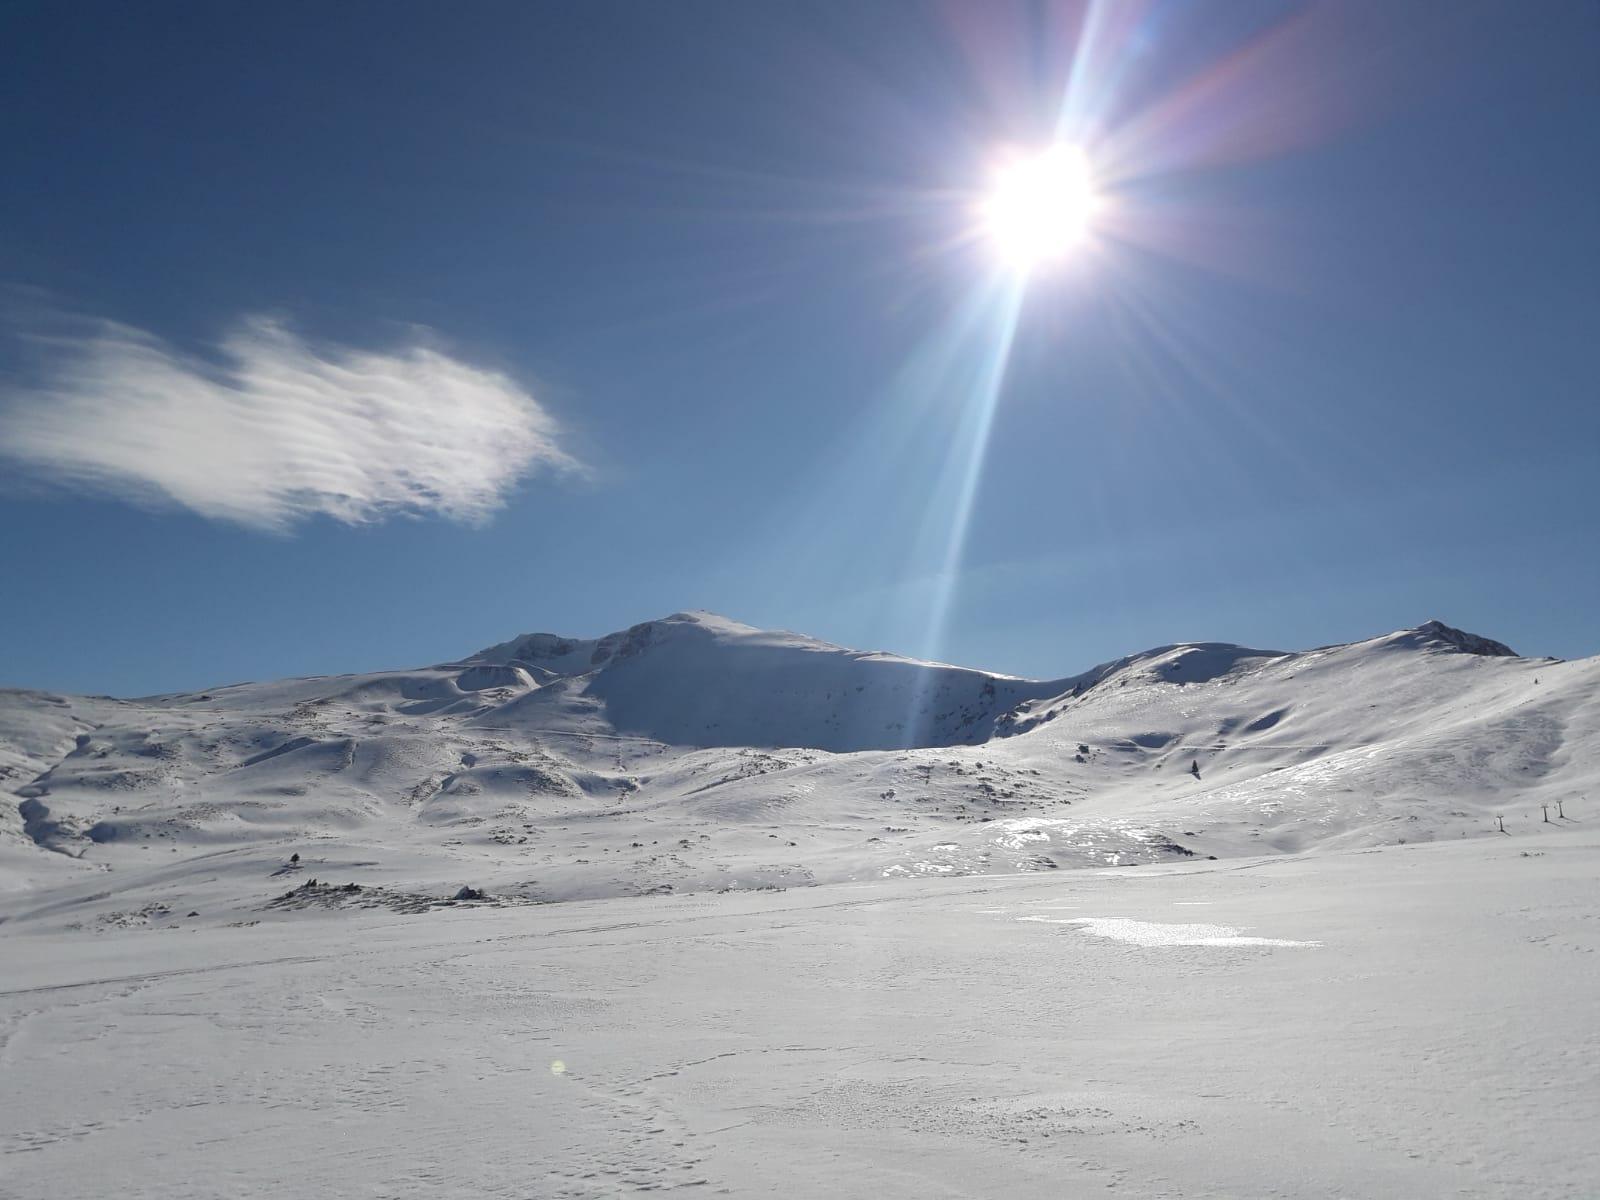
<point x="346" y="336"/>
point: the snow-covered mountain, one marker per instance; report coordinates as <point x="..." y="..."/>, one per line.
<point x="695" y="753"/>
<point x="308" y="913"/>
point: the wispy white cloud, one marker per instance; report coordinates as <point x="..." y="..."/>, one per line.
<point x="278" y="429"/>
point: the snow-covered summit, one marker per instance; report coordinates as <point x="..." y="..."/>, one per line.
<point x="1437" y="634"/>
<point x="699" y="679"/>
<point x="576" y="656"/>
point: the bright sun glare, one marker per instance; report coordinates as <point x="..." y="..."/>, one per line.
<point x="1041" y="206"/>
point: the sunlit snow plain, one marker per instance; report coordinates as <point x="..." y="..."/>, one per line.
<point x="763" y="916"/>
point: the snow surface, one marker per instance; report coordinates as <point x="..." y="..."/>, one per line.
<point x="863" y="1040"/>
<point x="650" y="993"/>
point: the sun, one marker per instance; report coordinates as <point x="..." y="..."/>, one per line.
<point x="1041" y="206"/>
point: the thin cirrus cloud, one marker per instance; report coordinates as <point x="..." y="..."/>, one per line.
<point x="278" y="430"/>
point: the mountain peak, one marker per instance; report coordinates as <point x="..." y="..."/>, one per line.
<point x="1436" y="631"/>
<point x="568" y="656"/>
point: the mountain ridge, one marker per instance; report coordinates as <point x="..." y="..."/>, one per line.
<point x="695" y="752"/>
<point x="542" y="648"/>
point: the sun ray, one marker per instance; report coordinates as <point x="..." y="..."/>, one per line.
<point x="992" y="346"/>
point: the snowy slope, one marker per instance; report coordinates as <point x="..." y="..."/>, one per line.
<point x="694" y="753"/>
<point x="37" y="729"/>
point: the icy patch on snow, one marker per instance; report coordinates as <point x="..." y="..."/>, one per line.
<point x="1158" y="933"/>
